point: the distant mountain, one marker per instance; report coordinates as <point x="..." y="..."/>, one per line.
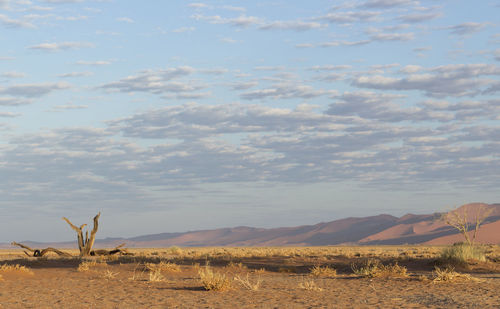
<point x="374" y="230"/>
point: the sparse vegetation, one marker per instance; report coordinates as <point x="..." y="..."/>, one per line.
<point x="449" y="274"/>
<point x="163" y="266"/>
<point x="325" y="271"/>
<point x="309" y="285"/>
<point x="87" y="265"/>
<point x="248" y="284"/>
<point x="460" y="253"/>
<point x="16" y="268"/>
<point x="213" y="281"/>
<point x="373" y="268"/>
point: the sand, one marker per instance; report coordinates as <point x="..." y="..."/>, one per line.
<point x="124" y="283"/>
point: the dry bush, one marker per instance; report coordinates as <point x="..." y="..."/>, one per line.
<point x="259" y="271"/>
<point x="309" y="285"/>
<point x="213" y="281"/>
<point x="247" y="284"/>
<point x="460" y="253"/>
<point x="236" y="266"/>
<point x="373" y="269"/>
<point x="163" y="266"/>
<point x="87" y="265"/>
<point x="16" y="268"/>
<point x="108" y="274"/>
<point x="370" y="269"/>
<point x="325" y="271"/>
<point x="156" y="276"/>
<point x="449" y="274"/>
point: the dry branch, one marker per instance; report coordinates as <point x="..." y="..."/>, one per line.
<point x="85" y="244"/>
<point x="40" y="253"/>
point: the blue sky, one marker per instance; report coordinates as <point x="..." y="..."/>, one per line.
<point x="176" y="115"/>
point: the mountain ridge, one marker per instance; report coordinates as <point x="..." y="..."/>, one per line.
<point x="383" y="229"/>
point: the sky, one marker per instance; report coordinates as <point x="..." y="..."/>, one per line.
<point x="169" y="116"/>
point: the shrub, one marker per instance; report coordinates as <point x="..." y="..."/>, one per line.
<point x="370" y="269"/>
<point x="373" y="268"/>
<point x="16" y="268"/>
<point x="213" y="281"/>
<point x="326" y="271"/>
<point x="246" y="283"/>
<point x="163" y="266"/>
<point x="449" y="274"/>
<point x="309" y="285"/>
<point x="463" y="252"/>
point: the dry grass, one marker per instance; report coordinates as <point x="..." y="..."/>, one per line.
<point x="248" y="284"/>
<point x="87" y="265"/>
<point x="156" y="276"/>
<point x="163" y="266"/>
<point x="108" y="274"/>
<point x="309" y="285"/>
<point x="461" y="253"/>
<point x="213" y="281"/>
<point x="373" y="269"/>
<point x="325" y="271"/>
<point x="16" y="268"/>
<point x="449" y="274"/>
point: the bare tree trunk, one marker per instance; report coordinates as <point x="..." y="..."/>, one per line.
<point x="85" y="244"/>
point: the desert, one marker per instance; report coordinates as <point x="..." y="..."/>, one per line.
<point x="463" y="274"/>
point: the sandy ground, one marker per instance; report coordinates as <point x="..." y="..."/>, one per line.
<point x="125" y="283"/>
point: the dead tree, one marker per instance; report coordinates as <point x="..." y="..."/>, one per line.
<point x="459" y="219"/>
<point x="116" y="250"/>
<point x="85" y="244"/>
<point x="40" y="253"/>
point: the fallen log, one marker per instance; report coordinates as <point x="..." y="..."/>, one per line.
<point x="116" y="250"/>
<point x="40" y="253"/>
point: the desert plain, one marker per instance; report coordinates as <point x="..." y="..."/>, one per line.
<point x="252" y="277"/>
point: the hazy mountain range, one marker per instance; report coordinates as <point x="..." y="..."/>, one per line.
<point x="374" y="230"/>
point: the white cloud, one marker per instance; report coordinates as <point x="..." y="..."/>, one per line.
<point x="125" y="19"/>
<point x="33" y="90"/>
<point x="466" y="28"/>
<point x="292" y="25"/>
<point x="62" y="46"/>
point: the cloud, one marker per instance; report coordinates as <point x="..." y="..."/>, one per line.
<point x="125" y="19"/>
<point x="344" y="43"/>
<point x="15" y="23"/>
<point x="10" y="101"/>
<point x="184" y="29"/>
<point x="386" y="3"/>
<point x="75" y="74"/>
<point x="350" y="17"/>
<point x="33" y="90"/>
<point x="13" y="74"/>
<point x="292" y="25"/>
<point x="62" y="46"/>
<point x="466" y="28"/>
<point x="198" y="5"/>
<point x="242" y="21"/>
<point x="160" y="82"/>
<point x="9" y="115"/>
<point x="283" y="91"/>
<point x="449" y="80"/>
<point x="95" y="62"/>
<point x="419" y="17"/>
<point x="392" y="37"/>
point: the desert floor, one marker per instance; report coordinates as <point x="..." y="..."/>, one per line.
<point x="170" y="278"/>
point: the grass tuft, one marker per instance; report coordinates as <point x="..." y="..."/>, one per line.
<point x="213" y="281"/>
<point x="16" y="268"/>
<point x="309" y="285"/>
<point x="325" y="271"/>
<point x="449" y="274"/>
<point x="461" y="253"/>
<point x="247" y="283"/>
